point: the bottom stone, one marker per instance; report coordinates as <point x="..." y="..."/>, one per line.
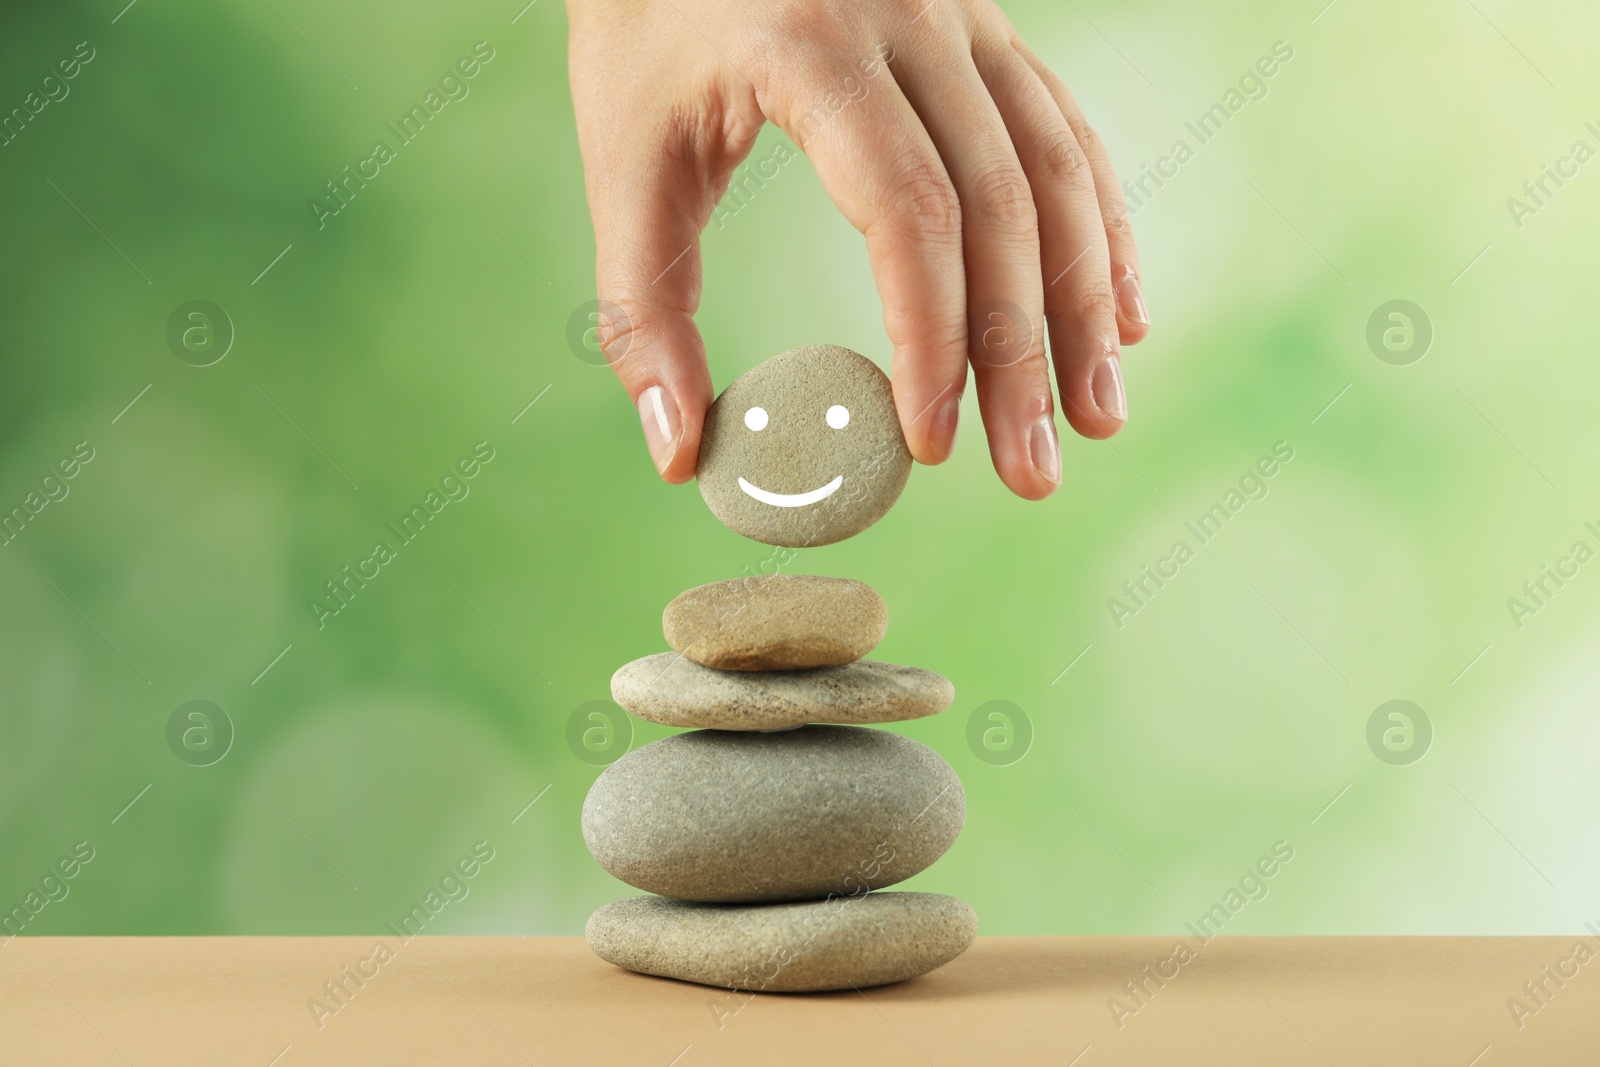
<point x="865" y="940"/>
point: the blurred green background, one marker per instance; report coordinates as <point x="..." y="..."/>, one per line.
<point x="1229" y="713"/>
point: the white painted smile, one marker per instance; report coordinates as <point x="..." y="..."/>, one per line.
<point x="791" y="500"/>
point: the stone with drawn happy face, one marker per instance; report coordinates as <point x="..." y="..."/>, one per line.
<point x="804" y="449"/>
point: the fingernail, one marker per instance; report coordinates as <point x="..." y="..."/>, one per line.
<point x="662" y="430"/>
<point x="1107" y="387"/>
<point x="1130" y="299"/>
<point x="942" y="434"/>
<point x="1046" y="449"/>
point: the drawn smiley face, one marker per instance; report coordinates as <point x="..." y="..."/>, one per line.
<point x="804" y="449"/>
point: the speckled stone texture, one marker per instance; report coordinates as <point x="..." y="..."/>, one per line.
<point x="743" y="818"/>
<point x="792" y="449"/>
<point x="674" y="691"/>
<point x="776" y="622"/>
<point x="857" y="942"/>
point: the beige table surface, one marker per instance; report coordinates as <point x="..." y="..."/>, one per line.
<point x="1010" y="1000"/>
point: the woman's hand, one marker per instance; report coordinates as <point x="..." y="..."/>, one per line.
<point x="988" y="204"/>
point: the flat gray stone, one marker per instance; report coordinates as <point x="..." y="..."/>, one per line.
<point x="804" y="449"/>
<point x="773" y="622"/>
<point x="849" y="942"/>
<point x="675" y="691"/>
<point x="743" y="818"/>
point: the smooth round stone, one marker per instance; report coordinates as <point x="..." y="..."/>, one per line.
<point x="818" y="945"/>
<point x="776" y="622"/>
<point x="745" y="818"/>
<point x="675" y="691"/>
<point x="804" y="449"/>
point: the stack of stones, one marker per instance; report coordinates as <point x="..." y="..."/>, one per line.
<point x="764" y="832"/>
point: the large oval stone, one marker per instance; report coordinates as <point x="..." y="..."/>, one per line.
<point x="856" y="942"/>
<point x="740" y="817"/>
<point x="804" y="449"/>
<point x="672" y="690"/>
<point x="776" y="622"/>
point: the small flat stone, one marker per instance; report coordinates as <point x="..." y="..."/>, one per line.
<point x="675" y="691"/>
<point x="776" y="622"/>
<point x="869" y="940"/>
<point x="745" y="818"/>
<point x="804" y="449"/>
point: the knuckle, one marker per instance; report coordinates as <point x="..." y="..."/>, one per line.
<point x="1029" y="363"/>
<point x="950" y="334"/>
<point x="1095" y="301"/>
<point x="927" y="333"/>
<point x="1035" y="367"/>
<point x="1004" y="195"/>
<point x="1065" y="160"/>
<point x="629" y="327"/>
<point x="923" y="198"/>
<point x="618" y="330"/>
<point x="1118" y="228"/>
<point x="1087" y="139"/>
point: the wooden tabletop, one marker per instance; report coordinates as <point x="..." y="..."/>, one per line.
<point x="260" y="1001"/>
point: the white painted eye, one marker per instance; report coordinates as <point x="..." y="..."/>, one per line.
<point x="838" y="416"/>
<point x="756" y="418"/>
